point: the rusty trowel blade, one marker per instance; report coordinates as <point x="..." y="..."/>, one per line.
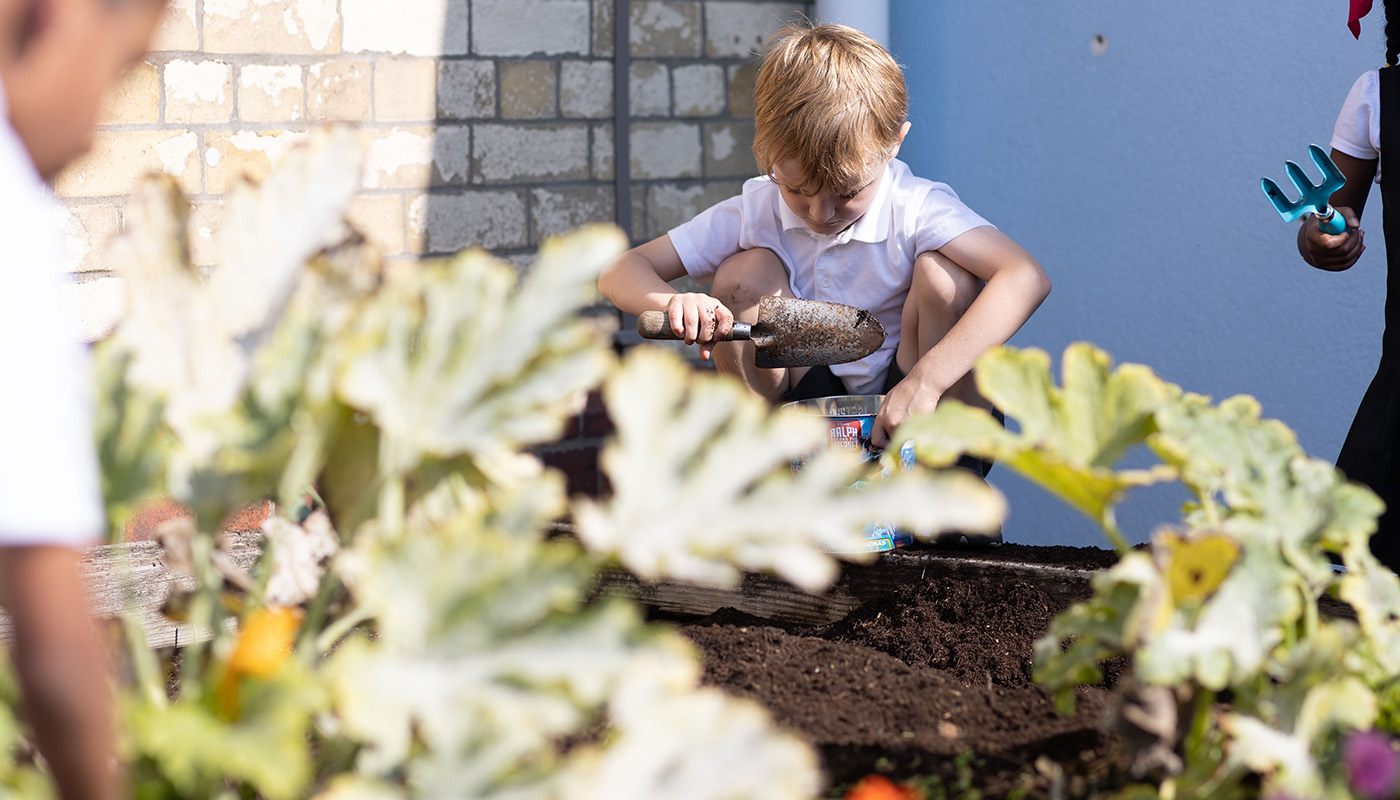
<point x="805" y="333"/>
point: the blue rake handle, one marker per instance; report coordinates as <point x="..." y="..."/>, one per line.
<point x="1314" y="199"/>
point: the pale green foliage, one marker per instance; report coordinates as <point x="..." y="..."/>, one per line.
<point x="1070" y="437"/>
<point x="704" y="484"/>
<point x="447" y="644"/>
<point x="466" y="358"/>
<point x="1193" y="611"/>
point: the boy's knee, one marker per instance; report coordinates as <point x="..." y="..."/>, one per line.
<point x="748" y="275"/>
<point x="942" y="286"/>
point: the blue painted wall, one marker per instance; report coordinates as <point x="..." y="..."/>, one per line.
<point x="1133" y="176"/>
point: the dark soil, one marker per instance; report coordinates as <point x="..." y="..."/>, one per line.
<point x="933" y="680"/>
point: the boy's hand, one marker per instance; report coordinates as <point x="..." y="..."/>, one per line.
<point x="1338" y="251"/>
<point x="699" y="319"/>
<point x="903" y="401"/>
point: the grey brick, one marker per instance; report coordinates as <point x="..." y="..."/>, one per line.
<point x="603" y="150"/>
<point x="467" y="89"/>
<point x="586" y="89"/>
<point x="665" y="150"/>
<point x="555" y="211"/>
<point x="529" y="89"/>
<point x="604" y="28"/>
<point x="649" y="89"/>
<point x="529" y="27"/>
<point x="738" y="30"/>
<point x="509" y="153"/>
<point x="491" y="219"/>
<point x="729" y="150"/>
<point x="670" y="204"/>
<point x="741" y="83"/>
<point x="667" y="28"/>
<point x="451" y="155"/>
<point x="699" y="90"/>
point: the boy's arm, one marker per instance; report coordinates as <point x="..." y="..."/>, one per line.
<point x="638" y="281"/>
<point x="1016" y="286"/>
<point x="60" y="664"/>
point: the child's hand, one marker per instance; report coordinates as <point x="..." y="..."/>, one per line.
<point x="699" y="319"/>
<point x="1334" y="251"/>
<point x="904" y="400"/>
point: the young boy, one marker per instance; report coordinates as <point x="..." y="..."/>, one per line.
<point x="836" y="217"/>
<point x="57" y="60"/>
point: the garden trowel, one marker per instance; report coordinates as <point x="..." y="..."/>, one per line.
<point x="794" y="333"/>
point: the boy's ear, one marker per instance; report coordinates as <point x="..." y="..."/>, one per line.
<point x="903" y="132"/>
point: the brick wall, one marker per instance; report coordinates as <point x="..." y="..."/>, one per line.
<point x="492" y="120"/>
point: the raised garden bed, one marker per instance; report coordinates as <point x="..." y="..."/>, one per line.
<point x="918" y="665"/>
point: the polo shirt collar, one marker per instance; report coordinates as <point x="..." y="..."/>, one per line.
<point x="873" y="227"/>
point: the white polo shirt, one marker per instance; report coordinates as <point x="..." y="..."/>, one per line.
<point x="868" y="265"/>
<point x="49" y="488"/>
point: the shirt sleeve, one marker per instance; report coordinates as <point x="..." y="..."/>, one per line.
<point x="704" y="242"/>
<point x="942" y="217"/>
<point x="1358" y="123"/>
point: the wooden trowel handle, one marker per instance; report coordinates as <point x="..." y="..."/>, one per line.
<point x="654" y="325"/>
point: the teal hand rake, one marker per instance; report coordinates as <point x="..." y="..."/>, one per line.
<point x="1314" y="199"/>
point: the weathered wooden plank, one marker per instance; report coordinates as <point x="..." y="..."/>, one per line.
<point x="135" y="577"/>
<point x="772" y="598"/>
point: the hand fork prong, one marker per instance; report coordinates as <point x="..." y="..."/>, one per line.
<point x="1312" y="197"/>
<point x="1286" y="208"/>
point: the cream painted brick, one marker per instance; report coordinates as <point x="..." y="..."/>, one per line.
<point x="668" y="204"/>
<point x="280" y="27"/>
<point x="268" y="93"/>
<point x="205" y="219"/>
<point x="198" y="92"/>
<point x="406" y="27"/>
<point x="528" y="89"/>
<point x="665" y="28"/>
<point x="98" y="306"/>
<point x="415" y="227"/>
<point x="603" y="150"/>
<point x="528" y="27"/>
<point x="699" y="90"/>
<point x="558" y="211"/>
<point x="134" y="101"/>
<point x="649" y="90"/>
<point x="451" y="155"/>
<point x="405" y="90"/>
<point x="604" y="28"/>
<point x="118" y="158"/>
<point x="230" y="157"/>
<point x="665" y="150"/>
<point x="179" y="30"/>
<point x="586" y="89"/>
<point x="339" y="91"/>
<point x="87" y="229"/>
<point x="400" y="158"/>
<point x="508" y="153"/>
<point x="729" y="150"/>
<point x="738" y="30"/>
<point x="380" y="217"/>
<point x="741" y="83"/>
<point x="490" y="219"/>
<point x="467" y="89"/>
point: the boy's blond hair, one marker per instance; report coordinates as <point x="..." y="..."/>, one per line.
<point x="833" y="99"/>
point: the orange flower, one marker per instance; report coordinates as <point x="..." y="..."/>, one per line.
<point x="878" y="787"/>
<point x="266" y="641"/>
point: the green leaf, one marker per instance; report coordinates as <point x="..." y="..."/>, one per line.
<point x="464" y="357"/>
<point x="704" y="484"/>
<point x="1070" y="437"/>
